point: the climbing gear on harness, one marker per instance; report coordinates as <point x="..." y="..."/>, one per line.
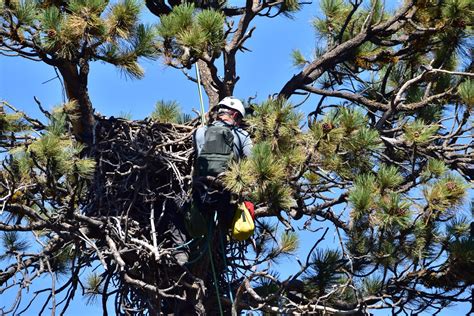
<point x="242" y="225"/>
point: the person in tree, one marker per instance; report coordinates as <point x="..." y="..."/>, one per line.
<point x="212" y="160"/>
<point x="216" y="145"/>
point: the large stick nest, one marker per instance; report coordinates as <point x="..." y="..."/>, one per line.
<point x="141" y="166"/>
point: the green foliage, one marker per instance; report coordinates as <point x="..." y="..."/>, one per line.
<point x="85" y="168"/>
<point x="187" y="31"/>
<point x="417" y="132"/>
<point x="364" y="139"/>
<point x="211" y="24"/>
<point x="239" y="177"/>
<point x="421" y="246"/>
<point x="144" y="42"/>
<point x="392" y="212"/>
<point x="125" y="115"/>
<point x="345" y="142"/>
<point x="461" y="257"/>
<point x="54" y="150"/>
<point x="85" y="7"/>
<point x="349" y="120"/>
<point x="184" y="118"/>
<point x="453" y="10"/>
<point x="109" y="33"/>
<point x="458" y="227"/>
<point x="51" y="19"/>
<point x="385" y="254"/>
<point x="361" y="196"/>
<point x="169" y="112"/>
<point x="265" y="232"/>
<point x="466" y="92"/>
<point x="22" y="165"/>
<point x="11" y="122"/>
<point x="277" y="195"/>
<point x="277" y="122"/>
<point x="434" y="168"/>
<point x="375" y="203"/>
<point x="278" y="155"/>
<point x="430" y="114"/>
<point x="289" y="242"/>
<point x="333" y="8"/>
<point x="378" y="12"/>
<point x="324" y="271"/>
<point x="61" y="261"/>
<point x="372" y="285"/>
<point x="13" y="244"/>
<point x="298" y="58"/>
<point x="358" y="243"/>
<point x="290" y="6"/>
<point x="123" y="16"/>
<point x="181" y="18"/>
<point x="57" y="124"/>
<point x="166" y="112"/>
<point x="388" y="177"/>
<point x="335" y="12"/>
<point x="266" y="165"/>
<point x="26" y="10"/>
<point x="94" y="288"/>
<point x="447" y="193"/>
<point x="264" y="176"/>
<point x="194" y="38"/>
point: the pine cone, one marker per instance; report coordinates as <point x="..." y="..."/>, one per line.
<point x="51" y="33"/>
<point x="451" y="186"/>
<point x="327" y="127"/>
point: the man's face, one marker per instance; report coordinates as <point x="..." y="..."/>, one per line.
<point x="230" y="116"/>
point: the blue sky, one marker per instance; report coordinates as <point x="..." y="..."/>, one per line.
<point x="262" y="72"/>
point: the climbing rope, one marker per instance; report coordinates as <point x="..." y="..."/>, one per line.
<point x="198" y="77"/>
<point x="214" y="275"/>
<point x="231" y="296"/>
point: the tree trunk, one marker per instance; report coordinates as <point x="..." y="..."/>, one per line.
<point x="79" y="111"/>
<point x="210" y="83"/>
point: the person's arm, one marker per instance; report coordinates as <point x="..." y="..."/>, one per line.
<point x="246" y="144"/>
<point x="199" y="139"/>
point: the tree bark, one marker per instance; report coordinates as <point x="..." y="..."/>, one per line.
<point x="79" y="111"/>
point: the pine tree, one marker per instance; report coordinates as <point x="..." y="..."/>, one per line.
<point x="383" y="163"/>
<point x="69" y="35"/>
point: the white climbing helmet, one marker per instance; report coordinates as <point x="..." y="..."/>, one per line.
<point x="233" y="103"/>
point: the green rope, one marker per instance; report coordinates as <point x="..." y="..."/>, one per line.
<point x="231" y="296"/>
<point x="215" y="282"/>
<point x="198" y="77"/>
<point x="214" y="275"/>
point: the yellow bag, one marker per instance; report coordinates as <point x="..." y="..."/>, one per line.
<point x="242" y="224"/>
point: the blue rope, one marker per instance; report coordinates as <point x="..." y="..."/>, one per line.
<point x="183" y="245"/>
<point x="202" y="252"/>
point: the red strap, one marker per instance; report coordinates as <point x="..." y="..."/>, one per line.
<point x="251" y="208"/>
